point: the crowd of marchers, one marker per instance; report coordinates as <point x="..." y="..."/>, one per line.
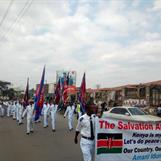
<point x="85" y="121"/>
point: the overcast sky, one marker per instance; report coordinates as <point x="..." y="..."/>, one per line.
<point x="115" y="42"/>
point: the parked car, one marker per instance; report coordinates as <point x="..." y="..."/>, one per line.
<point x="130" y="113"/>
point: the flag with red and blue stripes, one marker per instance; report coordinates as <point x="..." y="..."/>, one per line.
<point x="82" y="94"/>
<point x="39" y="97"/>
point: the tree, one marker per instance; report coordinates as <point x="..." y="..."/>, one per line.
<point x="4" y="88"/>
<point x="11" y="93"/>
<point x="4" y="85"/>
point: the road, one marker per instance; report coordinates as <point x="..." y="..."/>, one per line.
<point x="42" y="145"/>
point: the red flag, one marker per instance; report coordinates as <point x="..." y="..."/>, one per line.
<point x="82" y="93"/>
<point x="57" y="92"/>
<point x="65" y="94"/>
<point x="83" y="87"/>
<point x="26" y="96"/>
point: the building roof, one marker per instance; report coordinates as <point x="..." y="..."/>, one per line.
<point x="153" y="83"/>
<point x="131" y="86"/>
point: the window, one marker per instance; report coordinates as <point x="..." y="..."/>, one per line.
<point x="136" y="111"/>
<point x="121" y="111"/>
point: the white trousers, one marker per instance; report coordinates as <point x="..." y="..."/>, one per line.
<point x="17" y="114"/>
<point x="45" y="120"/>
<point x="8" y="111"/>
<point x="53" y="120"/>
<point x="87" y="147"/>
<point x="20" y="117"/>
<point x="2" y="111"/>
<point x="70" y="122"/>
<point x="79" y="114"/>
<point x="29" y="125"/>
<point x="14" y="114"/>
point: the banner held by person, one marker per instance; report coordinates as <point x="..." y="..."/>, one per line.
<point x="127" y="140"/>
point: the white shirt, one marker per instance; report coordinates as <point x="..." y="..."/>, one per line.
<point x="53" y="108"/>
<point x="29" y="110"/>
<point x="46" y="109"/>
<point x="83" y="125"/>
<point x="69" y="111"/>
<point x="20" y="109"/>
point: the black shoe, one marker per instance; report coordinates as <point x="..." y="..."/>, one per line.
<point x="53" y="130"/>
<point x="71" y="129"/>
<point x="27" y="133"/>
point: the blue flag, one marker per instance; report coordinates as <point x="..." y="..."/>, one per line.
<point x="39" y="97"/>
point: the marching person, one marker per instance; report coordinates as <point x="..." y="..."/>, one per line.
<point x="29" y="111"/>
<point x="53" y="109"/>
<point x="78" y="110"/>
<point x="9" y="109"/>
<point x="1" y="109"/>
<point x="20" y="112"/>
<point x="70" y="112"/>
<point x="46" y="109"/>
<point x="14" y="110"/>
<point x="86" y="126"/>
<point x="17" y="110"/>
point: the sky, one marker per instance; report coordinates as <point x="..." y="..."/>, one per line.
<point x="115" y="42"/>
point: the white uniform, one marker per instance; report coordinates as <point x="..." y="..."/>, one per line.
<point x="17" y="111"/>
<point x="14" y="111"/>
<point x="70" y="112"/>
<point x="1" y="111"/>
<point x="8" y="110"/>
<point x="53" y="110"/>
<point x="12" y="108"/>
<point x="86" y="143"/>
<point x="29" y="111"/>
<point x="46" y="109"/>
<point x="20" y="111"/>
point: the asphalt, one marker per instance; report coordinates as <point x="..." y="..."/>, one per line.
<point x="42" y="145"/>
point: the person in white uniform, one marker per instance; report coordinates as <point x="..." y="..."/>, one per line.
<point x="70" y="112"/>
<point x="46" y="110"/>
<point x="17" y="110"/>
<point x="86" y="126"/>
<point x="1" y="109"/>
<point x="29" y="111"/>
<point x="53" y="110"/>
<point x="14" y="110"/>
<point x="20" y="112"/>
<point x="9" y="109"/>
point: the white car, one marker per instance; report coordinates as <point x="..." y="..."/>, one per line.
<point x="130" y="113"/>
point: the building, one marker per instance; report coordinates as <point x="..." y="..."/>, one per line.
<point x="143" y="94"/>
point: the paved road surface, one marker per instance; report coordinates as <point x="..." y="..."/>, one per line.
<point x="42" y="145"/>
